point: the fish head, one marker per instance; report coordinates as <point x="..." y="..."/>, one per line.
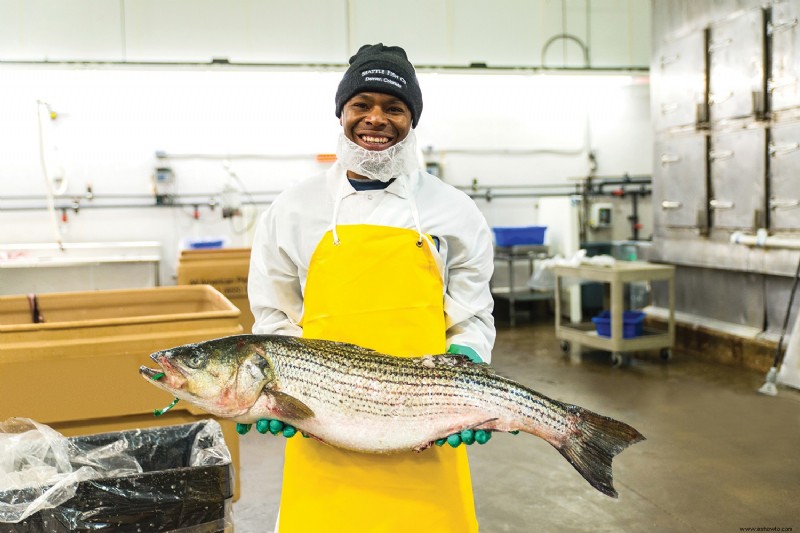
<point x="222" y="376"/>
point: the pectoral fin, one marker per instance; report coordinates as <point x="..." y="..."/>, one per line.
<point x="290" y="408"/>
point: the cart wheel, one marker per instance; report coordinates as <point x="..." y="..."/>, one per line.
<point x="666" y="354"/>
<point x="564" y="346"/>
<point x="618" y="359"/>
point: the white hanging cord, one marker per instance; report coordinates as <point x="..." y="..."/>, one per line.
<point x="51" y="203"/>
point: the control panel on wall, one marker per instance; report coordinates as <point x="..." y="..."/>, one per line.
<point x="601" y="215"/>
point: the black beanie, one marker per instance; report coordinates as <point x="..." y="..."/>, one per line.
<point x="381" y="69"/>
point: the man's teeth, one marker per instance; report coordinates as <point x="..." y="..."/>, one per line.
<point x="375" y="140"/>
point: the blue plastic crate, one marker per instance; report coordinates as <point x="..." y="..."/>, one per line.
<point x="632" y="322"/>
<point x="519" y="235"/>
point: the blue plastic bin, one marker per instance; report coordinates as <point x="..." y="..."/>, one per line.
<point x="632" y="322"/>
<point x="519" y="235"/>
<point x="206" y="245"/>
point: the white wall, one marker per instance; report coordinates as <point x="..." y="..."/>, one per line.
<point x="435" y="32"/>
<point x="112" y="119"/>
<point x="110" y="123"/>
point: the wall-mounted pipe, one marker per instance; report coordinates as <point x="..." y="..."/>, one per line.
<point x="158" y="201"/>
<point x="489" y="195"/>
<point x="130" y="206"/>
<point x="160" y="154"/>
<point x="764" y="240"/>
<point x="634" y="187"/>
<point x="91" y="196"/>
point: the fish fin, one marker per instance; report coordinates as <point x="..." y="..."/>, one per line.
<point x="459" y="359"/>
<point x="423" y="447"/>
<point x="593" y="444"/>
<point x="458" y="429"/>
<point x="454" y="360"/>
<point x="479" y="424"/>
<point x="289" y="407"/>
<point x="314" y="437"/>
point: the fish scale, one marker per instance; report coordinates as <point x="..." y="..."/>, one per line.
<point x="361" y="400"/>
<point x="378" y="370"/>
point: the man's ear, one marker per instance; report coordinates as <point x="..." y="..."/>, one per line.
<point x="340" y="121"/>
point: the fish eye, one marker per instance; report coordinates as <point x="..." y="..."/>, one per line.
<point x="195" y="360"/>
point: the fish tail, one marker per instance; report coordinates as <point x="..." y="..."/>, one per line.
<point x="593" y="443"/>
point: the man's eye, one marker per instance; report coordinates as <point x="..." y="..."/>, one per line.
<point x="359" y="105"/>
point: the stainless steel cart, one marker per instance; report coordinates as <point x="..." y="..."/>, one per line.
<point x="574" y="336"/>
<point x="511" y="255"/>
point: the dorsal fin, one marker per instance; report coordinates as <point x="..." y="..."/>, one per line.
<point x="454" y="360"/>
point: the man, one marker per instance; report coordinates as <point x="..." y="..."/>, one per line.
<point x="378" y="253"/>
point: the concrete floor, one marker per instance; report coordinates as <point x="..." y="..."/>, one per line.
<point x="718" y="456"/>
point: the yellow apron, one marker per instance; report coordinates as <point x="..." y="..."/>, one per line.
<point x="376" y="288"/>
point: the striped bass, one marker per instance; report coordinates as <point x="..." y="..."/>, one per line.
<point x="361" y="400"/>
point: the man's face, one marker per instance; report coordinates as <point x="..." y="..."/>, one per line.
<point x="375" y="121"/>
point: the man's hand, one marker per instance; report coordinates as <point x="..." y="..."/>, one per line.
<point x="468" y="437"/>
<point x="266" y="425"/>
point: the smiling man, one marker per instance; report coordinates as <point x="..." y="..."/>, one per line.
<point x="379" y="253"/>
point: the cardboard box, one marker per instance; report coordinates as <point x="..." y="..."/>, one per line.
<point x="224" y="269"/>
<point x="78" y="371"/>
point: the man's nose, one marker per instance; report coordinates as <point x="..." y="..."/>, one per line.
<point x="376" y="116"/>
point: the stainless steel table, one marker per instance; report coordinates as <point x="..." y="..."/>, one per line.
<point x="511" y="255"/>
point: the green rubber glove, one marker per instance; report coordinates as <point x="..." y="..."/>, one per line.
<point x="467" y="436"/>
<point x="266" y="425"/>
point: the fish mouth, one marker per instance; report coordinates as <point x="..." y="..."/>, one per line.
<point x="157" y="377"/>
<point x="149" y="373"/>
<point x="167" y="377"/>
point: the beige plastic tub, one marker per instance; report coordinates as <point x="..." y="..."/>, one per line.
<point x="78" y="370"/>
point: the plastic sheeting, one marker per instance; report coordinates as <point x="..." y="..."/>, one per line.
<point x="543" y="278"/>
<point x="173" y="478"/>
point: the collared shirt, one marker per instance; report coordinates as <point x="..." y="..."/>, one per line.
<point x="289" y="231"/>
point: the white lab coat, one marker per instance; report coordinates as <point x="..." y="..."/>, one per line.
<point x="289" y="231"/>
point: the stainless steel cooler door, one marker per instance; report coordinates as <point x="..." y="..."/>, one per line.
<point x="738" y="177"/>
<point x="736" y="66"/>
<point x="784" y="185"/>
<point x="680" y="82"/>
<point x="783" y="84"/>
<point x="680" y="189"/>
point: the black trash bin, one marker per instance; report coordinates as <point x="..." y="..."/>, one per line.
<point x="186" y="484"/>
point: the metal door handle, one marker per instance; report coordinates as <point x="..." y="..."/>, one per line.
<point x="777" y="203"/>
<point x="718" y="99"/>
<point x="720" y="204"/>
<point x="668" y="107"/>
<point x="720" y="154"/>
<point x="667" y="204"/>
<point x="780" y="83"/>
<point x="668" y="159"/>
<point x="776" y="149"/>
<point x="666" y="60"/>
<point x="713" y="46"/>
<point x="781" y="25"/>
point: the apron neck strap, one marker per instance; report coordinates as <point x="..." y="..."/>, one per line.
<point x="412" y="204"/>
<point x="336" y="203"/>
